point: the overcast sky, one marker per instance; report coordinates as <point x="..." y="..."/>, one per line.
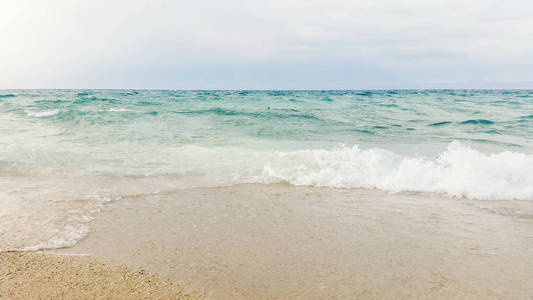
<point x="266" y="44"/>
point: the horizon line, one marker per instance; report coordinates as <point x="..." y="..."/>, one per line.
<point x="273" y="89"/>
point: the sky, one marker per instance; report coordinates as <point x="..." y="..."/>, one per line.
<point x="288" y="44"/>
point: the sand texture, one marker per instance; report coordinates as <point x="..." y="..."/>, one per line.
<point x="38" y="276"/>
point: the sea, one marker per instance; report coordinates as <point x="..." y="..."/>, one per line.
<point x="65" y="154"/>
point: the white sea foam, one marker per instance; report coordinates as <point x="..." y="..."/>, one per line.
<point x="68" y="237"/>
<point x="45" y="212"/>
<point x="45" y="113"/>
<point x="112" y="109"/>
<point x="458" y="171"/>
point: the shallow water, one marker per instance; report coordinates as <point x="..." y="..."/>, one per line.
<point x="64" y="154"/>
<point x="259" y="241"/>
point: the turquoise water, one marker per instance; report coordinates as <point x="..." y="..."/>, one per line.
<point x="216" y="133"/>
<point x="491" y="120"/>
<point x="65" y="153"/>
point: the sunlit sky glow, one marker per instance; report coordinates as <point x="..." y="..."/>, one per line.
<point x="266" y="44"/>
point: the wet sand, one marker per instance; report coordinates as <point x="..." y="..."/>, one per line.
<point x="37" y="276"/>
<point x="279" y="241"/>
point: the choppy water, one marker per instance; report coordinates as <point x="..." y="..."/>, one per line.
<point x="63" y="153"/>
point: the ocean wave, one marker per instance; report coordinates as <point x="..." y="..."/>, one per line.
<point x="458" y="171"/>
<point x="46" y="113"/>
<point x="260" y="115"/>
<point x="113" y="109"/>
<point x="478" y="121"/>
<point x="440" y="123"/>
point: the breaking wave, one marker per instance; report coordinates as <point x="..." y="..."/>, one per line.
<point x="458" y="171"/>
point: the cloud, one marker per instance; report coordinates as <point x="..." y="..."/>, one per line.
<point x="263" y="44"/>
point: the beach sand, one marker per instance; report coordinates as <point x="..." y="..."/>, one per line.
<point x="26" y="275"/>
<point x="278" y="241"/>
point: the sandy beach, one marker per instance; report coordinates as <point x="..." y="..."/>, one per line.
<point x="41" y="276"/>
